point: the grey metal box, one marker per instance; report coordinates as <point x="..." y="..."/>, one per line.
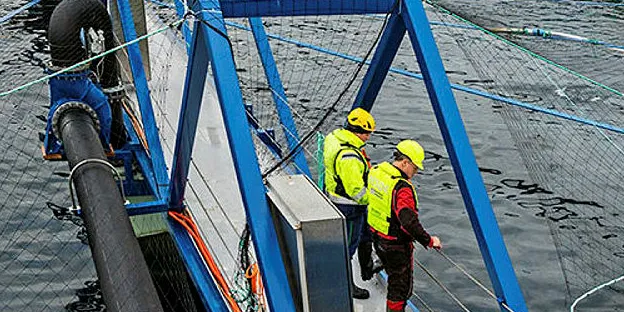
<point x="312" y="236"/>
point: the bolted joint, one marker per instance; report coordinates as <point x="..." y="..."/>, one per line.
<point x="63" y="108"/>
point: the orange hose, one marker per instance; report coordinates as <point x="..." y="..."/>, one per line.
<point x="191" y="228"/>
<point x="137" y="127"/>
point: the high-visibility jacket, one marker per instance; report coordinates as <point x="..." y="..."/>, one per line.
<point x="346" y="168"/>
<point x="382" y="180"/>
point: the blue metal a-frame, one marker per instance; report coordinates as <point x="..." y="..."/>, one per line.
<point x="209" y="43"/>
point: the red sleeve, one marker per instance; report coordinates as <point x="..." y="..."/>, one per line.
<point x="407" y="214"/>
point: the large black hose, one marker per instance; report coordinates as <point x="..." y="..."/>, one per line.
<point x="69" y="26"/>
<point x="124" y="276"/>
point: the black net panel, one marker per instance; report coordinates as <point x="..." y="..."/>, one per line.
<point x="576" y="165"/>
<point x="318" y="60"/>
<point x="46" y="260"/>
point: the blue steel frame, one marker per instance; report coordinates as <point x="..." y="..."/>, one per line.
<point x="245" y="161"/>
<point x="189" y="115"/>
<point x="258" y="8"/>
<point x="411" y="17"/>
<point x="210" y="41"/>
<point x="186" y="31"/>
<point x="147" y="113"/>
<point x="278" y="93"/>
<point x="154" y="165"/>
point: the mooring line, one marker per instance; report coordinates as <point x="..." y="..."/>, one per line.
<point x="437" y="281"/>
<point x="474" y="280"/>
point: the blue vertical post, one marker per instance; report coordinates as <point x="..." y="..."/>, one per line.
<point x="245" y="160"/>
<point x="186" y="31"/>
<point x="380" y="64"/>
<point x="189" y="115"/>
<point x="278" y="93"/>
<point x="469" y="178"/>
<point x="142" y="92"/>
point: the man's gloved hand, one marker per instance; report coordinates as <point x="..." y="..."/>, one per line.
<point x="435" y="242"/>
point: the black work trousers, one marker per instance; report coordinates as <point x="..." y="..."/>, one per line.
<point x="397" y="259"/>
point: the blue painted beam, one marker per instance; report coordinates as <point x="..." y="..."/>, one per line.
<point x="267" y="137"/>
<point x="142" y="158"/>
<point x="259" y="8"/>
<point x="245" y="160"/>
<point x="189" y="115"/>
<point x="278" y="93"/>
<point x="469" y="178"/>
<point x="145" y="103"/>
<point x="186" y="30"/>
<point x="147" y="207"/>
<point x="382" y="60"/>
<point x="208" y="291"/>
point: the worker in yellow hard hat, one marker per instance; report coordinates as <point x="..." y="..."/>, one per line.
<point x="346" y="172"/>
<point x="393" y="219"/>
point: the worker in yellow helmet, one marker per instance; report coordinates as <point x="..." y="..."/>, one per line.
<point x="393" y="219"/>
<point x="346" y="172"/>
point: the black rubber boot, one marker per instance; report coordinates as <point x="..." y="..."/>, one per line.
<point x="360" y="293"/>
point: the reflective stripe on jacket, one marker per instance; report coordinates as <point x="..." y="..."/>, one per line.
<point x="346" y="169"/>
<point x="382" y="181"/>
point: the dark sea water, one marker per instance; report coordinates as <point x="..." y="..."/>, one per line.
<point x="402" y="111"/>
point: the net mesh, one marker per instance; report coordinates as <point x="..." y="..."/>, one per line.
<point x="47" y="264"/>
<point x="310" y="53"/>
<point x="576" y="165"/>
<point x="46" y="261"/>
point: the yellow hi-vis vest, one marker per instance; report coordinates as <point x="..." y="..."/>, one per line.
<point x="382" y="180"/>
<point x="342" y="151"/>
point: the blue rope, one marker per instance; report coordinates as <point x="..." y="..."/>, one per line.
<point x="18" y="11"/>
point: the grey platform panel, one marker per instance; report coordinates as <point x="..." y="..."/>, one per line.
<point x="312" y="234"/>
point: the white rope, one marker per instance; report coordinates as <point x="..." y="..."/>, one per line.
<point x="437" y="281"/>
<point x="473" y="279"/>
<point x="593" y="290"/>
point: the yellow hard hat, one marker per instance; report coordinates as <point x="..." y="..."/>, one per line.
<point x="413" y="151"/>
<point x="360" y="118"/>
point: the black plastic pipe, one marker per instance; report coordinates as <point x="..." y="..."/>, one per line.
<point x="71" y="21"/>
<point x="123" y="273"/>
<point x="73" y="17"/>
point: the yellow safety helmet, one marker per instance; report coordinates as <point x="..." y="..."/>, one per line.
<point x="360" y="118"/>
<point x="413" y="151"/>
